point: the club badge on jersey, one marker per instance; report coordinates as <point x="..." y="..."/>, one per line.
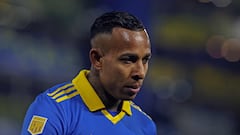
<point x="37" y="125"/>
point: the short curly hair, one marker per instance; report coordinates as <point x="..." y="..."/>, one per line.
<point x="106" y="22"/>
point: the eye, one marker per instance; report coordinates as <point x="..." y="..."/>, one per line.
<point x="146" y="59"/>
<point x="128" y="59"/>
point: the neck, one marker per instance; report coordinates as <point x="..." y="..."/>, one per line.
<point x="109" y="101"/>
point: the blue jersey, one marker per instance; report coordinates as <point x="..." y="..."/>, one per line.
<point x="74" y="108"/>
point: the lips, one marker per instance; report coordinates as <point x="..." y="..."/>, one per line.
<point x="134" y="88"/>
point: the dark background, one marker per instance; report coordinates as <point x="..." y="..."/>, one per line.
<point x="193" y="83"/>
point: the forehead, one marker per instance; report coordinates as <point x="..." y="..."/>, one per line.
<point x="129" y="35"/>
<point x="122" y="38"/>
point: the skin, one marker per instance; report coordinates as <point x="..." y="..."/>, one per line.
<point x="119" y="65"/>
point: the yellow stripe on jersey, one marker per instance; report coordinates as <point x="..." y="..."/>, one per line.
<point x="64" y="92"/>
<point x="67" y="96"/>
<point x="59" y="89"/>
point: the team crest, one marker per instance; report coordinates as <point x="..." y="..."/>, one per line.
<point x="37" y="124"/>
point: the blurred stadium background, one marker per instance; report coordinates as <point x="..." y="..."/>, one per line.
<point x="193" y="85"/>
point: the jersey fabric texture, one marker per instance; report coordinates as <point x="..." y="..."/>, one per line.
<point x="74" y="108"/>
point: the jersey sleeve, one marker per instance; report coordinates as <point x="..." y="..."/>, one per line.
<point x="152" y="129"/>
<point x="43" y="117"/>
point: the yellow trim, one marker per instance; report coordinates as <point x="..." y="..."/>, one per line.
<point x="88" y="94"/>
<point x="59" y="89"/>
<point x="63" y="92"/>
<point x="114" y="119"/>
<point x="127" y="107"/>
<point x="67" y="97"/>
<point x="55" y="95"/>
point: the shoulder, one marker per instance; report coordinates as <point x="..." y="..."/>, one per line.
<point x="57" y="94"/>
<point x="62" y="92"/>
<point x="59" y="100"/>
<point x="144" y="118"/>
<point x="54" y="99"/>
<point x="54" y="108"/>
<point x="139" y="111"/>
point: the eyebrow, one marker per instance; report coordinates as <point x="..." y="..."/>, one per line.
<point x="148" y="55"/>
<point x="132" y="54"/>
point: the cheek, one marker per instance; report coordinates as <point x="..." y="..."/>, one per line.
<point x="146" y="68"/>
<point x="115" y="74"/>
<point x="114" y="71"/>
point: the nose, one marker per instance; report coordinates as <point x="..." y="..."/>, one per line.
<point x="139" y="71"/>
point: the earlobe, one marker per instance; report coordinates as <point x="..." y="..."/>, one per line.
<point x="95" y="57"/>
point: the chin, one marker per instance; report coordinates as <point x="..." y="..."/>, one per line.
<point x="129" y="97"/>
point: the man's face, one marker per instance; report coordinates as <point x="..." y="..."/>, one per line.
<point x="125" y="62"/>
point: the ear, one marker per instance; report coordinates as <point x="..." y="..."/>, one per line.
<point x="95" y="56"/>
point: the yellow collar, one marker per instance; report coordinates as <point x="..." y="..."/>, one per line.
<point x="90" y="97"/>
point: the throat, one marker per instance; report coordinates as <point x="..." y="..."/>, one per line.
<point x="113" y="106"/>
<point x="111" y="103"/>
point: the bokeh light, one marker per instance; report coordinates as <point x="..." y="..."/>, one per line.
<point x="231" y="50"/>
<point x="214" y="46"/>
<point x="221" y="3"/>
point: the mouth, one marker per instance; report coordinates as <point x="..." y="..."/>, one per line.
<point x="133" y="88"/>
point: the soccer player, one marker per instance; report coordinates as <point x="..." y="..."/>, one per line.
<point x="98" y="101"/>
